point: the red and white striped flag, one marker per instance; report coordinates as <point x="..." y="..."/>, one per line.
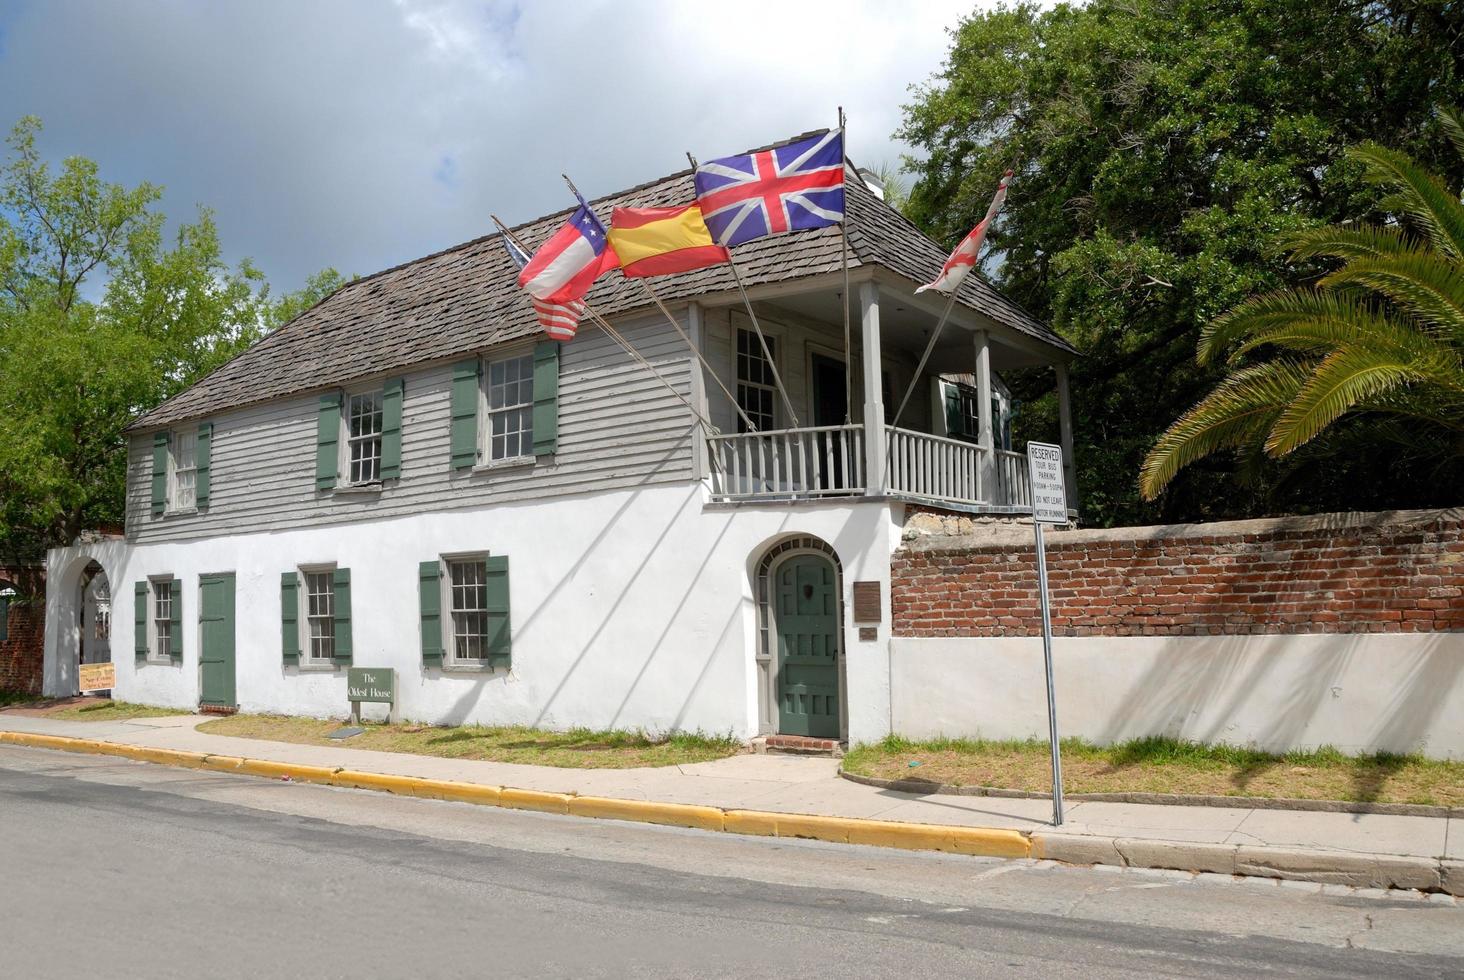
<point x="963" y="259"/>
<point x="559" y="320"/>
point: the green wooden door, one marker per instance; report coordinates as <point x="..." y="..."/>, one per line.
<point x="216" y="639"/>
<point x="807" y="607"/>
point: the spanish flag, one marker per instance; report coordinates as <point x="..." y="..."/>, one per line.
<point x="661" y="241"/>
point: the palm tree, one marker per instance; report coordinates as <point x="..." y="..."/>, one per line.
<point x="1381" y="338"/>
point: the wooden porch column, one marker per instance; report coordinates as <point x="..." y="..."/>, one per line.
<point x="874" y="430"/>
<point x="983" y="417"/>
<point x="1065" y="429"/>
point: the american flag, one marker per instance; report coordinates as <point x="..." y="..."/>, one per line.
<point x="792" y="187"/>
<point x="559" y="320"/>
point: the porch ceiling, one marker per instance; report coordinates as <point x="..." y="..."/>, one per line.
<point x="905" y="323"/>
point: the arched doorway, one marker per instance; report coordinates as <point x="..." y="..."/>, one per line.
<point x="801" y="689"/>
<point x="94" y="644"/>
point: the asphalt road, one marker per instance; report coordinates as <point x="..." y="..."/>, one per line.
<point x="118" y="869"/>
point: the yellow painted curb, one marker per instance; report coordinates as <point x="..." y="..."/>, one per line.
<point x="166" y="757"/>
<point x="646" y="811"/>
<point x="984" y="841"/>
<point x="533" y="799"/>
<point x="754" y="822"/>
<point x="456" y="792"/>
<point x="400" y="785"/>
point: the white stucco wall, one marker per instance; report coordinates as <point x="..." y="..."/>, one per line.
<point x="629" y="609"/>
<point x="1399" y="692"/>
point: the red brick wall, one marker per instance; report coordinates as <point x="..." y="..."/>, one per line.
<point x="22" y="652"/>
<point x="1346" y="573"/>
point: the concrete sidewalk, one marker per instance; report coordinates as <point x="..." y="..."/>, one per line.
<point x="1368" y="850"/>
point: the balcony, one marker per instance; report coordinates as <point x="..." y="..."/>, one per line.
<point x="830" y="461"/>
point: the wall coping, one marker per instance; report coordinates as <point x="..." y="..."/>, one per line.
<point x="1011" y="534"/>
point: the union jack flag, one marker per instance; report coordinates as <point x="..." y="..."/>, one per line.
<point x="792" y="187"/>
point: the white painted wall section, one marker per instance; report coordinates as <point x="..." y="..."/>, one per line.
<point x="630" y="609"/>
<point x="1398" y="692"/>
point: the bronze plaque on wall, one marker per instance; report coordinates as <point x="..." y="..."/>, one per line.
<point x="866" y="602"/>
<point x="868" y="633"/>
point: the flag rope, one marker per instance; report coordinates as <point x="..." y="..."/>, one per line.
<point x="751" y="426"/>
<point x="767" y="353"/>
<point x="844" y="241"/>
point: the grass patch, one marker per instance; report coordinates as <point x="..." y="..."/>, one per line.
<point x="1165" y="765"/>
<point x="9" y="697"/>
<point x="112" y="711"/>
<point x="579" y="748"/>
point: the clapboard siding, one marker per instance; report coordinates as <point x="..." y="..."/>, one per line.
<point x="618" y="427"/>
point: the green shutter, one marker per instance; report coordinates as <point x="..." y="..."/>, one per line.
<point x="327" y="439"/>
<point x="464" y="436"/>
<point x="175" y="645"/>
<point x="205" y="444"/>
<point x="139" y="620"/>
<point x="429" y="595"/>
<point x="341" y="584"/>
<point x="391" y="430"/>
<point x="4" y="618"/>
<point x="160" y="473"/>
<point x="500" y="635"/>
<point x="955" y="420"/>
<point x="546" y="397"/>
<point x="290" y="616"/>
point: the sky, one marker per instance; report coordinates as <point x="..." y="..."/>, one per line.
<point x="363" y="133"/>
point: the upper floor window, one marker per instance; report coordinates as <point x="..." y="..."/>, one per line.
<point x="509" y="390"/>
<point x="183" y="470"/>
<point x="755" y="385"/>
<point x="363" y="437"/>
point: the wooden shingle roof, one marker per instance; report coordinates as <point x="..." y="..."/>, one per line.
<point x="466" y="299"/>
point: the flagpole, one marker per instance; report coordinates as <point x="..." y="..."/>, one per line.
<point x="991" y="213"/>
<point x="615" y="335"/>
<point x="751" y="426"/>
<point x="756" y="327"/>
<point x="763" y="341"/>
<point x="844" y="239"/>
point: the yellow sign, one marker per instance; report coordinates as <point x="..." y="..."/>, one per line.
<point x="97" y="677"/>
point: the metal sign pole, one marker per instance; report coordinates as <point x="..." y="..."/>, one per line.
<point x="1051" y="692"/>
<point x="1049" y="506"/>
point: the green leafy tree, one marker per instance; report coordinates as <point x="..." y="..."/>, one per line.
<point x="1162" y="148"/>
<point x="1379" y="340"/>
<point x="102" y="315"/>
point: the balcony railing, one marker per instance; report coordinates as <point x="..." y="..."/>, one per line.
<point x="934" y="468"/>
<point x="828" y="461"/>
<point x="824" y="461"/>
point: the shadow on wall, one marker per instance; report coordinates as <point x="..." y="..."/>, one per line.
<point x="617" y="592"/>
<point x="1176" y="695"/>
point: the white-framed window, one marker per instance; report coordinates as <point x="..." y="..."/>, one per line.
<point x="161" y="601"/>
<point x="363" y="437"/>
<point x="508" y="389"/>
<point x="756" y="390"/>
<point x="183" y="470"/>
<point x="466" y="584"/>
<point x="318" y="643"/>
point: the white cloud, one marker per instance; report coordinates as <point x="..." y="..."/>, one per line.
<point x="364" y="134"/>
